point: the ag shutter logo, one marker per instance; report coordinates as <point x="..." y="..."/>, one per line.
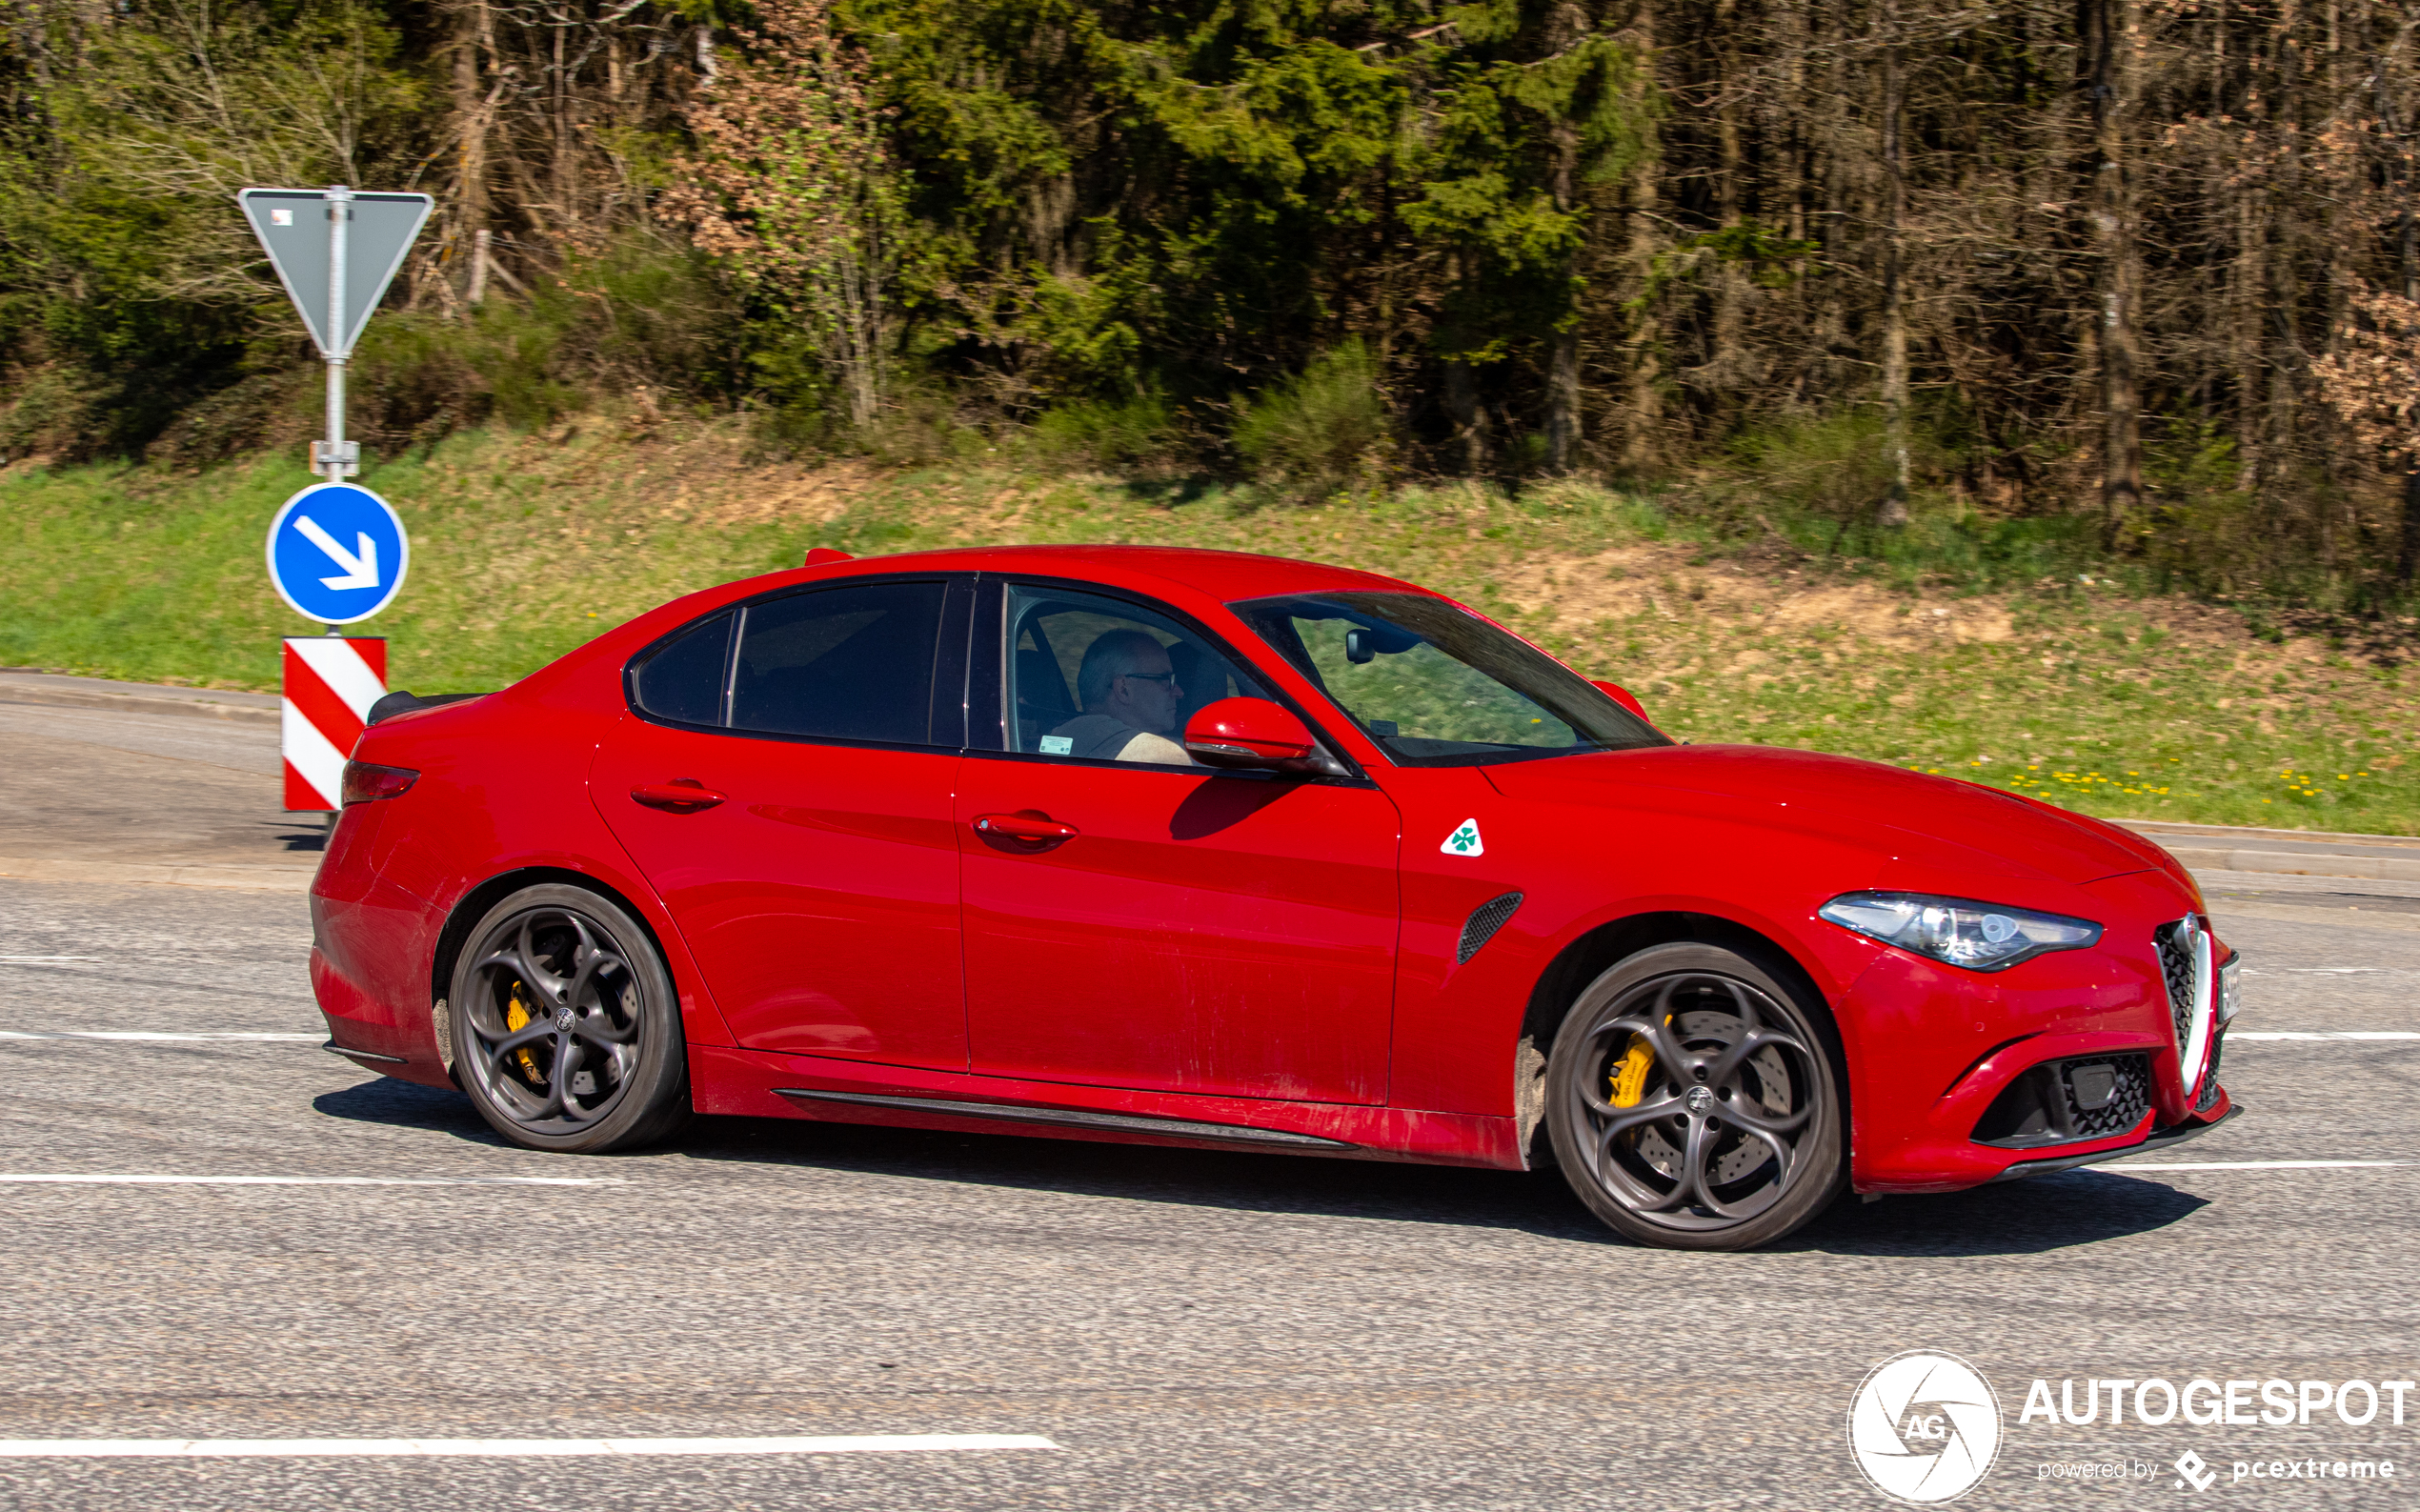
<point x="1925" y="1427"/>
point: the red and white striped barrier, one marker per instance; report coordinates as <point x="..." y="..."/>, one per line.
<point x="331" y="681"/>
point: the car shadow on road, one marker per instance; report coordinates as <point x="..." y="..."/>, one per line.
<point x="1535" y="1203"/>
<point x="2018" y="1218"/>
<point x="410" y="1105"/>
<point x="2021" y="1219"/>
<point x="2049" y="1213"/>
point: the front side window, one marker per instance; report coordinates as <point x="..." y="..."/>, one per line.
<point x="1435" y="685"/>
<point x="1099" y="678"/>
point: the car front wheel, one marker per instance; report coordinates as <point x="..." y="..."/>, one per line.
<point x="1692" y="1101"/>
<point x="565" y="1029"/>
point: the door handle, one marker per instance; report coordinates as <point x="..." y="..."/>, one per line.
<point x="1030" y="824"/>
<point x="680" y="796"/>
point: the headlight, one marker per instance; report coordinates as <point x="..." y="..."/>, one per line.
<point x="1959" y="931"/>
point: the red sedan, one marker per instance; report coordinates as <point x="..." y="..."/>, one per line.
<point x="1207" y="849"/>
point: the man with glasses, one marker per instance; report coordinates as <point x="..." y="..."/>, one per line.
<point x="1130" y="696"/>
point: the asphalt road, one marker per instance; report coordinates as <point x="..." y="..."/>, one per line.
<point x="1191" y="1329"/>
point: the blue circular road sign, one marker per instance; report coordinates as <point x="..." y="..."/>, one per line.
<point x="338" y="554"/>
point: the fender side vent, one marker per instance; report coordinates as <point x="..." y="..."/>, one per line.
<point x="1480" y="927"/>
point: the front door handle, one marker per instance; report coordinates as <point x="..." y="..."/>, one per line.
<point x="680" y="796"/>
<point x="1029" y="824"/>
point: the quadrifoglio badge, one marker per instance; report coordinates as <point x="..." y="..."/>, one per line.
<point x="1925" y="1427"/>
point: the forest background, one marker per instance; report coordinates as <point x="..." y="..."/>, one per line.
<point x="2139" y="271"/>
<point x="1563" y="304"/>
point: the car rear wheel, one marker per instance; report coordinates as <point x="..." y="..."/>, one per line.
<point x="1693" y="1103"/>
<point x="566" y="1031"/>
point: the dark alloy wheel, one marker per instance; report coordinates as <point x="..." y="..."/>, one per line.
<point x="1693" y="1101"/>
<point x="566" y="1032"/>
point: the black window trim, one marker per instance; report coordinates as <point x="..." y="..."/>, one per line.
<point x="957" y="591"/>
<point x="989" y="689"/>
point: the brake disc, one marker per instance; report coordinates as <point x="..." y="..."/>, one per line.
<point x="1763" y="1076"/>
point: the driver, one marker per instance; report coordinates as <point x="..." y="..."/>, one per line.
<point x="1130" y="696"/>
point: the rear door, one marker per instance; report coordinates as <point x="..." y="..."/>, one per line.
<point x="783" y="780"/>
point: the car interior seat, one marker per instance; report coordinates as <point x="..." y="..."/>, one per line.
<point x="1042" y="699"/>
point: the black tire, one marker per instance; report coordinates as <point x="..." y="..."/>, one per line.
<point x="595" y="1062"/>
<point x="1733" y="1136"/>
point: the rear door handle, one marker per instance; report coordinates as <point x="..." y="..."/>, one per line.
<point x="1031" y="824"/>
<point x="680" y="796"/>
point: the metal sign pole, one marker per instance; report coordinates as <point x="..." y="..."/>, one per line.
<point x="339" y="216"/>
<point x="339" y="211"/>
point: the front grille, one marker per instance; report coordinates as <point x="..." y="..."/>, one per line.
<point x="2176" y="964"/>
<point x="2184" y="946"/>
<point x="1480" y="927"/>
<point x="2069" y="1102"/>
<point x="2209" y="1078"/>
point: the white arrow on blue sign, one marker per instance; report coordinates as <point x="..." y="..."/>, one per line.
<point x="338" y="553"/>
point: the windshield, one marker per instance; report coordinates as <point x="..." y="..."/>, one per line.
<point x="1435" y="685"/>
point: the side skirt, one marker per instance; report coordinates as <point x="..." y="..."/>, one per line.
<point x="756" y="1084"/>
<point x="1079" y="1117"/>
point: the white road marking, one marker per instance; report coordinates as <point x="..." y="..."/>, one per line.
<point x="501" y="1448"/>
<point x="76" y="1179"/>
<point x="2234" y="1035"/>
<point x="2259" y="1165"/>
<point x="133" y="1035"/>
<point x="40" y="961"/>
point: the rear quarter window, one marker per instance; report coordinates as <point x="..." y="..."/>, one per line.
<point x="683" y="681"/>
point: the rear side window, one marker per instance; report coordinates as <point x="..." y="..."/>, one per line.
<point x="844" y="663"/>
<point x="683" y="680"/>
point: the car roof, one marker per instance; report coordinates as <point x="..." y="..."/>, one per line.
<point x="1223" y="575"/>
<point x="1170" y="572"/>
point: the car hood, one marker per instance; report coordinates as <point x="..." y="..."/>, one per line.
<point x="1910" y="817"/>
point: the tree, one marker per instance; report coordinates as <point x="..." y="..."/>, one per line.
<point x="796" y="185"/>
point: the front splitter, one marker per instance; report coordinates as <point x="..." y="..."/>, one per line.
<point x="2159" y="1139"/>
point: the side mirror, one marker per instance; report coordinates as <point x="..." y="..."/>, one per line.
<point x="1254" y="734"/>
<point x="1621" y="695"/>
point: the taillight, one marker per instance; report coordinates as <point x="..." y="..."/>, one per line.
<point x="364" y="783"/>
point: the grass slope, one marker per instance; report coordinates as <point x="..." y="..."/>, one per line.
<point x="525" y="546"/>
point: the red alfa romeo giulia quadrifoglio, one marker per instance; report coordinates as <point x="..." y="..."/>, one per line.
<point x="1206" y="849"/>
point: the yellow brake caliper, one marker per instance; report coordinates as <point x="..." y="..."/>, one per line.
<point x="516" y="1018"/>
<point x="1630" y="1072"/>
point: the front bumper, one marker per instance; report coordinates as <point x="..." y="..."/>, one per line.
<point x="1931" y="1048"/>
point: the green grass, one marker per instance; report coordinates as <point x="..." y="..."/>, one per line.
<point x="2102" y="699"/>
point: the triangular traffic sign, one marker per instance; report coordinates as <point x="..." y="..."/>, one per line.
<point x="293" y="228"/>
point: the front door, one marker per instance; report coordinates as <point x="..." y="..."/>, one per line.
<point x="1189" y="932"/>
<point x="781" y="785"/>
